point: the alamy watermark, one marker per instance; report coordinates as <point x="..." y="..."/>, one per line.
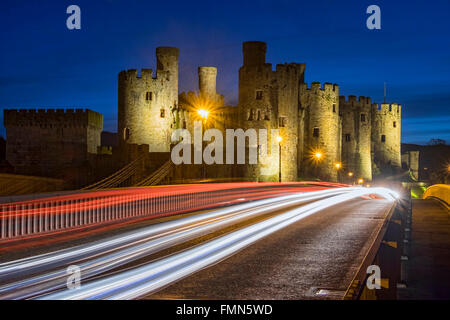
<point x="73" y="277"/>
<point x="213" y="152"/>
<point x="374" y="20"/>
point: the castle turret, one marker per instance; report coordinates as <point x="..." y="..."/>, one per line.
<point x="386" y="135"/>
<point x="322" y="132"/>
<point x="207" y="82"/>
<point x="269" y="100"/>
<point x="146" y="103"/>
<point x="167" y="60"/>
<point x="356" y="136"/>
<point x="254" y="53"/>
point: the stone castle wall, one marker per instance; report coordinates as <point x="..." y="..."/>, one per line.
<point x="322" y="130"/>
<point x="386" y="135"/>
<point x="146" y="103"/>
<point x="46" y="142"/>
<point x="356" y="136"/>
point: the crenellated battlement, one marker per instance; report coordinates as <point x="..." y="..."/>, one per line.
<point x="387" y="108"/>
<point x="352" y="99"/>
<point x="317" y="86"/>
<point x="132" y="76"/>
<point x="63" y="117"/>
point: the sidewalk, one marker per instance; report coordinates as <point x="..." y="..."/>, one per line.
<point x="429" y="259"/>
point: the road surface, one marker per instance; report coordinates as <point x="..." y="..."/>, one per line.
<point x="277" y="247"/>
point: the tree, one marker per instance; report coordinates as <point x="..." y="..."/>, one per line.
<point x="436" y="142"/>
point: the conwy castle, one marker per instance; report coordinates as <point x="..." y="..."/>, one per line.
<point x="324" y="136"/>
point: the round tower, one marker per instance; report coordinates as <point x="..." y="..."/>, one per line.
<point x="207" y="82"/>
<point x="322" y="135"/>
<point x="386" y="135"/>
<point x="145" y="103"/>
<point x="356" y="135"/>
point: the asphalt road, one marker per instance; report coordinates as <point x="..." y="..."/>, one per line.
<point x="322" y="251"/>
<point x="285" y="247"/>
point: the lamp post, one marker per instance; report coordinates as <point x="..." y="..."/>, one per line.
<point x="350" y="175"/>
<point x="317" y="156"/>
<point x="204" y="115"/>
<point x="338" y="167"/>
<point x="279" y="139"/>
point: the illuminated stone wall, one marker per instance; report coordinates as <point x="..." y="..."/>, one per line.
<point x="322" y="133"/>
<point x="356" y="136"/>
<point x="386" y="136"/>
<point x="146" y="104"/>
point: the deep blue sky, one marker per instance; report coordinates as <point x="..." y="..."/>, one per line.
<point x="43" y="64"/>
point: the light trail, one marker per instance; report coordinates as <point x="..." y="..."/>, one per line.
<point x="149" y="278"/>
<point x="109" y="254"/>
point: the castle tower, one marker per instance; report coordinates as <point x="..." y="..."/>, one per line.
<point x="269" y="100"/>
<point x="207" y="82"/>
<point x="386" y="135"/>
<point x="356" y="136"/>
<point x="146" y="103"/>
<point x="322" y="131"/>
<point x="167" y="62"/>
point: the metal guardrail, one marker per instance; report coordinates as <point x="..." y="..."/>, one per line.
<point x="86" y="209"/>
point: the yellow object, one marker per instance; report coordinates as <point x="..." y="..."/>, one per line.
<point x="439" y="191"/>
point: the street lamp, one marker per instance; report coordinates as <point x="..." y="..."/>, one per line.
<point x="279" y="139"/>
<point x="204" y="115"/>
<point x="318" y="155"/>
<point x="360" y="181"/>
<point x="338" y="166"/>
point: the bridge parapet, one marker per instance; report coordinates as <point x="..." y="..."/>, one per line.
<point x="440" y="192"/>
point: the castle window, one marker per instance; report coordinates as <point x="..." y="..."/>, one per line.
<point x="149" y="96"/>
<point x="162" y="113"/>
<point x="126" y="134"/>
<point x="395" y="124"/>
<point x="347" y="137"/>
<point x="316" y="132"/>
<point x="282" y="122"/>
<point x="184" y="124"/>
<point x="363" y="117"/>
<point x="259" y="94"/>
<point x="390" y="108"/>
<point x="251" y="115"/>
<point x="259" y="115"/>
<point x="334" y="107"/>
<point x="383" y="138"/>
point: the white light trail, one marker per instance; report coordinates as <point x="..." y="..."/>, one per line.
<point x="147" y="241"/>
<point x="149" y="278"/>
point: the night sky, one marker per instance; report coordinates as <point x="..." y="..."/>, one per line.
<point x="43" y="64"/>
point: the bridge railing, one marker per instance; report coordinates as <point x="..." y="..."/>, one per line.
<point x="50" y="215"/>
<point x="440" y="192"/>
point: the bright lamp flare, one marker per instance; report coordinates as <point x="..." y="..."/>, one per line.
<point x="338" y="165"/>
<point x="318" y="155"/>
<point x="279" y="139"/>
<point x="203" y="113"/>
